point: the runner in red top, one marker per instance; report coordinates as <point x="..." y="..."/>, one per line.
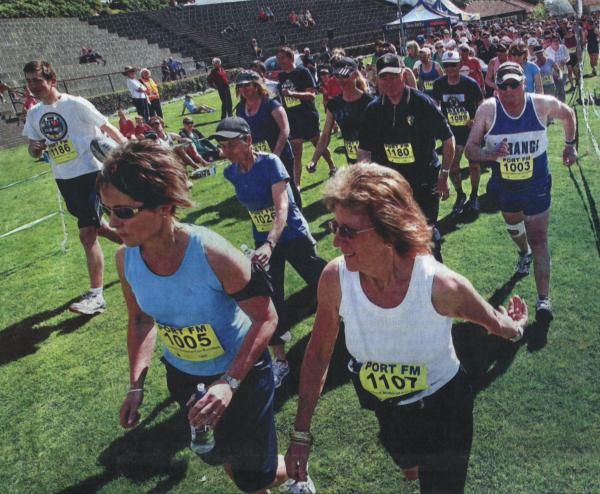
<point x="472" y="64"/>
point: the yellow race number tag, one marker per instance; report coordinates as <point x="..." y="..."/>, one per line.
<point x="400" y="153"/>
<point x="197" y="343"/>
<point x="263" y="219"/>
<point x="351" y="149"/>
<point x="547" y="80"/>
<point x="458" y="119"/>
<point x="291" y="102"/>
<point x="62" y="151"/>
<point x="428" y="85"/>
<point x="520" y="168"/>
<point x="262" y="147"/>
<point x="386" y="381"/>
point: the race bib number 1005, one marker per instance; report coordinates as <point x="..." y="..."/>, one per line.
<point x="196" y="343"/>
<point x="386" y="381"/>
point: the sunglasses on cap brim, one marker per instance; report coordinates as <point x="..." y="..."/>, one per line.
<point x="511" y="83"/>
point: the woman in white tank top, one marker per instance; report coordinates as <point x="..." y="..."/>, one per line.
<point x="397" y="303"/>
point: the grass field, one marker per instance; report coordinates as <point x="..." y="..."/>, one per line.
<point x="63" y="376"/>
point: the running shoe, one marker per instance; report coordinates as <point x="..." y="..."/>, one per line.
<point x="89" y="304"/>
<point x="296" y="487"/>
<point x="459" y="205"/>
<point x="280" y="369"/>
<point x="524" y="262"/>
<point x="472" y="205"/>
<point x="198" y="172"/>
<point x="332" y="171"/>
<point x="543" y="309"/>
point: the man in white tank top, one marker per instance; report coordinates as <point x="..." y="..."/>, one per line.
<point x="397" y="303"/>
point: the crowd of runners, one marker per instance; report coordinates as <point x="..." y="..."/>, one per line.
<point x="486" y="93"/>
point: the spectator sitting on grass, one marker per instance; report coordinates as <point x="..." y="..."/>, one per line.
<point x="204" y="147"/>
<point x="126" y="126"/>
<point x="188" y="104"/>
<point x="141" y="127"/>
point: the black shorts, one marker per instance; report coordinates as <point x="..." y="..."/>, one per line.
<point x="573" y="60"/>
<point x="245" y="437"/>
<point x="304" y="125"/>
<point x="435" y="433"/>
<point x="81" y="199"/>
<point x="461" y="134"/>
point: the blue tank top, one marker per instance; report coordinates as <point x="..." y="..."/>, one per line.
<point x="200" y="325"/>
<point x="547" y="75"/>
<point x="527" y="141"/>
<point x="426" y="79"/>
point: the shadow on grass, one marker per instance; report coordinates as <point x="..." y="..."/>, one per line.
<point x="230" y="209"/>
<point x="15" y="269"/>
<point x="589" y="204"/>
<point x="23" y="338"/>
<point x="450" y="222"/>
<point x="143" y="453"/>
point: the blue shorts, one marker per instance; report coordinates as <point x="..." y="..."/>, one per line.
<point x="245" y="436"/>
<point x="531" y="199"/>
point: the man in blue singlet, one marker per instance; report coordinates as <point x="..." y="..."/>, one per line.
<point x="509" y="132"/>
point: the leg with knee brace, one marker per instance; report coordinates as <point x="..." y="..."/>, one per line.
<point x="516" y="230"/>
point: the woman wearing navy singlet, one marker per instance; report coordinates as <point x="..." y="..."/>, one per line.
<point x="280" y="231"/>
<point x="211" y="310"/>
<point x="427" y="71"/>
<point x="268" y="121"/>
<point x="346" y="110"/>
<point x="397" y="303"/>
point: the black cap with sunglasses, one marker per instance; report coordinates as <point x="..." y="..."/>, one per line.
<point x="231" y="128"/>
<point x="344" y="67"/>
<point x="509" y="71"/>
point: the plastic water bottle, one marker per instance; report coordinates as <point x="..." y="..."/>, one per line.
<point x="249" y="253"/>
<point x="203" y="438"/>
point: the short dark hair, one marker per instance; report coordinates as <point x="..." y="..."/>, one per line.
<point x="287" y="51"/>
<point x="40" y="66"/>
<point x="148" y="173"/>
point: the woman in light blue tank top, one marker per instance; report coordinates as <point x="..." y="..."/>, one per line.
<point x="209" y="307"/>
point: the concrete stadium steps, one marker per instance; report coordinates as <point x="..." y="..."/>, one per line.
<point x="59" y="40"/>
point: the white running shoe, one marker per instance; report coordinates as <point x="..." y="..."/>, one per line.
<point x="524" y="262"/>
<point x="295" y="487"/>
<point x="280" y="369"/>
<point x="89" y="304"/>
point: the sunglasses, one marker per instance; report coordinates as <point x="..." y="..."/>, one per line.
<point x="503" y="86"/>
<point x="244" y="84"/>
<point x="450" y="64"/>
<point x="122" y="212"/>
<point x="345" y="231"/>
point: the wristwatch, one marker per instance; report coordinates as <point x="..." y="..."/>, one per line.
<point x="234" y="383"/>
<point x="272" y="243"/>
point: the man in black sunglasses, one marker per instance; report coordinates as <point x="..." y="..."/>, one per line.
<point x="509" y="132"/>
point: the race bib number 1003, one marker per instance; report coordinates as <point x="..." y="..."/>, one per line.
<point x="520" y="168"/>
<point x="196" y="343"/>
<point x="386" y="381"/>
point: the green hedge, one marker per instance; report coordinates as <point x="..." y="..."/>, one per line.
<point x="73" y="8"/>
<point x="111" y="102"/>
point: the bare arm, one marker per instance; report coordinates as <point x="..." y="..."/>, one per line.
<point x="309" y="94"/>
<point x="36" y="147"/>
<point x="481" y="123"/>
<point x="282" y="122"/>
<point x="324" y="138"/>
<point x="448" y="149"/>
<point x="141" y="338"/>
<point x="315" y="364"/>
<point x="114" y="133"/>
<point x="539" y="87"/>
<point x="550" y="107"/>
<point x="489" y="78"/>
<point x="262" y="255"/>
<point x="454" y="296"/>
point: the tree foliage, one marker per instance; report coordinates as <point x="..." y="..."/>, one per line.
<point x="73" y="8"/>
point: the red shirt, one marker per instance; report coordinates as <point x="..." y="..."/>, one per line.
<point x="126" y="127"/>
<point x="474" y="70"/>
<point x="141" y="129"/>
<point x="218" y="78"/>
<point x="330" y="89"/>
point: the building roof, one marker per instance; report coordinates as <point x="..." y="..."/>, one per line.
<point x="494" y="8"/>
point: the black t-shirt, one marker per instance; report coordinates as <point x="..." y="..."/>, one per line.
<point x="486" y="54"/>
<point x="348" y="116"/>
<point x="458" y="102"/>
<point x="403" y="136"/>
<point x="299" y="80"/>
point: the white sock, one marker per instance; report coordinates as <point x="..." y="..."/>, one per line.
<point x="97" y="292"/>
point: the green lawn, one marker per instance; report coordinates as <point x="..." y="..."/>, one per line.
<point x="62" y="376"/>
